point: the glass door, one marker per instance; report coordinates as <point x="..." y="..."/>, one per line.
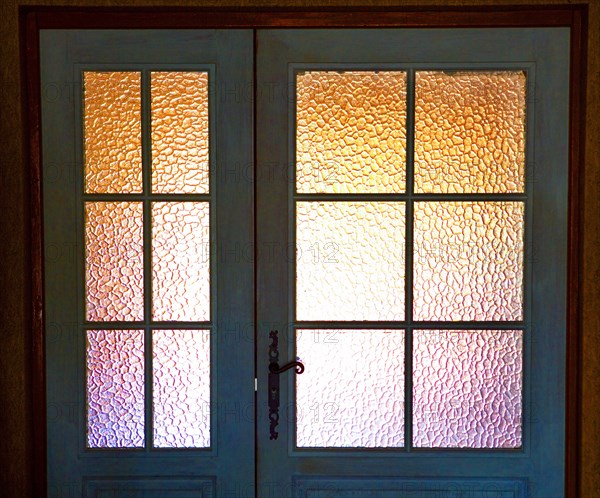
<point x="411" y="237"/>
<point x="149" y="308"/>
<point x="385" y="319"/>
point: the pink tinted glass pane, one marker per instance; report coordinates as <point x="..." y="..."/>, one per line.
<point x="180" y="261"/>
<point x="467" y="388"/>
<point x="181" y="365"/>
<point x="114" y="261"/>
<point x="352" y="391"/>
<point x="115" y="388"/>
<point x="468" y="262"/>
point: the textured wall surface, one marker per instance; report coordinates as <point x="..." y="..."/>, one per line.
<point x="15" y="413"/>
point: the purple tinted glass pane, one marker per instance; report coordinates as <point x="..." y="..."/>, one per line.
<point x="115" y="388"/>
<point x="467" y="388"/>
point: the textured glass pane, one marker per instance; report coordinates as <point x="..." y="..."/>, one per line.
<point x="114" y="261"/>
<point x="467" y="388"/>
<point x="352" y="391"/>
<point x="181" y="363"/>
<point x="112" y="132"/>
<point x="351" y="131"/>
<point x="468" y="261"/>
<point x="350" y="261"/>
<point x="180" y="261"/>
<point x="470" y="131"/>
<point x="180" y="132"/>
<point x="115" y="388"/>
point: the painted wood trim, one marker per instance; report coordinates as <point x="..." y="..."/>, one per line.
<point x="577" y="88"/>
<point x="202" y="17"/>
<point x="32" y="144"/>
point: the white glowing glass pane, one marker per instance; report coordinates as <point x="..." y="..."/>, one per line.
<point x="181" y="366"/>
<point x="350" y="260"/>
<point x="351" y="393"/>
<point x="180" y="261"/>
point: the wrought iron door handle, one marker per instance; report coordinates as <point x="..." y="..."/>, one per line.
<point x="274" y="368"/>
<point x="273" y="384"/>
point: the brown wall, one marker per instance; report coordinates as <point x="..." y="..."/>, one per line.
<point x="15" y="412"/>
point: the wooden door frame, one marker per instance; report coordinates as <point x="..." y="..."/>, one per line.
<point x="33" y="19"/>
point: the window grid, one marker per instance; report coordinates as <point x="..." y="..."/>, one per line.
<point x="409" y="324"/>
<point x="147" y="198"/>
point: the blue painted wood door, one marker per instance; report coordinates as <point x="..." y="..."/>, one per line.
<point x="252" y="451"/>
<point x="308" y="201"/>
<point x="125" y="353"/>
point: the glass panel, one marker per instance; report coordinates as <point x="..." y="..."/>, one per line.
<point x="352" y="391"/>
<point x="112" y="132"/>
<point x="181" y="363"/>
<point x="350" y="261"/>
<point x="180" y="261"/>
<point x="114" y="261"/>
<point x="180" y="132"/>
<point x="470" y="131"/>
<point x="351" y="131"/>
<point x="468" y="261"/>
<point x="115" y="388"/>
<point x="467" y="388"/>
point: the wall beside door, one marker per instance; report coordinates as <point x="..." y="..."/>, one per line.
<point x="16" y="452"/>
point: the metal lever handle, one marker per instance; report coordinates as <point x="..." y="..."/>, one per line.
<point x="274" y="371"/>
<point x="274" y="368"/>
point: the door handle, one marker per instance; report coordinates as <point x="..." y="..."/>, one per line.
<point x="274" y="368"/>
<point x="274" y="371"/>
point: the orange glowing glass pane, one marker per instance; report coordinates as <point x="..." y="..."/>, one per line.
<point x="112" y="132"/>
<point x="351" y="131"/>
<point x="179" y="132"/>
<point x="470" y="131"/>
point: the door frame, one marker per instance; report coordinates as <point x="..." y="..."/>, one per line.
<point x="33" y="19"/>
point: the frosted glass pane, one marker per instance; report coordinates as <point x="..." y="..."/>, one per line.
<point x="467" y="388"/>
<point x="470" y="131"/>
<point x="114" y="261"/>
<point x="351" y="131"/>
<point x="112" y="132"/>
<point x="115" y="388"/>
<point x="350" y="261"/>
<point x="180" y="132"/>
<point x="180" y="261"/>
<point x="352" y="391"/>
<point x="181" y="363"/>
<point x="468" y="261"/>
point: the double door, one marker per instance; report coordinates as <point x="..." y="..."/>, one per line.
<point x="332" y="265"/>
